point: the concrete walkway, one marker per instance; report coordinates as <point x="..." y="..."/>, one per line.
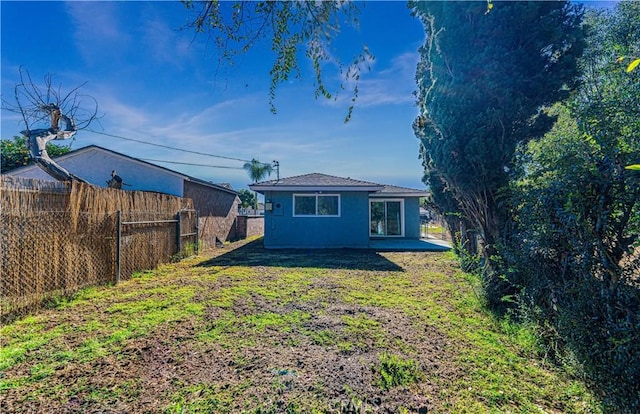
<point x="402" y="245"/>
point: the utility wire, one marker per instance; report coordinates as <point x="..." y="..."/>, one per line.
<point x="196" y="165"/>
<point x="166" y="146"/>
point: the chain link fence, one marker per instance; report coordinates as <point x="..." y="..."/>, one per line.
<point x="44" y="256"/>
<point x="433" y="226"/>
<point x="57" y="238"/>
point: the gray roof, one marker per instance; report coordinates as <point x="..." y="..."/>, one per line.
<point x="325" y="182"/>
<point x="317" y="179"/>
<point x="390" y="190"/>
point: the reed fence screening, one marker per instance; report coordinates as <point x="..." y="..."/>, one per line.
<point x="57" y="238"/>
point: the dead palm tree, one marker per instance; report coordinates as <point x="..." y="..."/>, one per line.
<point x="257" y="171"/>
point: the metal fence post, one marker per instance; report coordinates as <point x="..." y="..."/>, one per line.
<point x="178" y="231"/>
<point x="197" y="231"/>
<point x="118" y="244"/>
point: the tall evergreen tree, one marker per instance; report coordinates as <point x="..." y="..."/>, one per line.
<point x="483" y="79"/>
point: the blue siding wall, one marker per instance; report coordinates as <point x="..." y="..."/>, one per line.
<point x="412" y="218"/>
<point x="351" y="229"/>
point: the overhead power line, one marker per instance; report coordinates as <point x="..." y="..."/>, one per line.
<point x="196" y="165"/>
<point x="167" y="146"/>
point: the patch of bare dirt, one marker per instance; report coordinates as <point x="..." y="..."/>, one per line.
<point x="253" y="369"/>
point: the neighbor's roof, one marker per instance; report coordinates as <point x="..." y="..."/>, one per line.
<point x="392" y="190"/>
<point x="324" y="182"/>
<point x="88" y="148"/>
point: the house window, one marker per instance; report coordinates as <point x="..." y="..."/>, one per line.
<point x="386" y="218"/>
<point x="325" y="205"/>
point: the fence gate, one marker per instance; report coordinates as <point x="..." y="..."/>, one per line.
<point x="187" y="221"/>
<point x="143" y="243"/>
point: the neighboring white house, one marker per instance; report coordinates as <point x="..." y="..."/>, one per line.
<point x="216" y="204"/>
<point x="94" y="164"/>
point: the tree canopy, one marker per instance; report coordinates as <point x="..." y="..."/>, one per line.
<point x="247" y="198"/>
<point x="49" y="114"/>
<point x="293" y="28"/>
<point x="483" y="79"/>
<point x="257" y="170"/>
<point x="14" y="153"/>
<point x="529" y="131"/>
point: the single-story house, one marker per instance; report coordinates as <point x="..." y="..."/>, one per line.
<point x="323" y="211"/>
<point x="217" y="205"/>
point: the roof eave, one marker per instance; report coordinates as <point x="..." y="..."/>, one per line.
<point x="407" y="194"/>
<point x="210" y="185"/>
<point x="313" y="188"/>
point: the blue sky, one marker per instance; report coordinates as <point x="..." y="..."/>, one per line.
<point x="154" y="82"/>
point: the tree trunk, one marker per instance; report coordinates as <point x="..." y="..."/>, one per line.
<point x="37" y="144"/>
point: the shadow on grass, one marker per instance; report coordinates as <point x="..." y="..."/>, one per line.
<point x="254" y="254"/>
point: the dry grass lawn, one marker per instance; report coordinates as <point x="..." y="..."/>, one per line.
<point x="244" y="330"/>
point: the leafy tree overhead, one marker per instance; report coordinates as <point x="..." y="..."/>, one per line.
<point x="483" y="79"/>
<point x="293" y="29"/>
<point x="14" y="153"/>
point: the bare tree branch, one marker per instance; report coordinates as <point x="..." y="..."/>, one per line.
<point x="63" y="115"/>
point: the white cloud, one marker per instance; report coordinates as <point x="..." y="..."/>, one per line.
<point x="98" y="35"/>
<point x="119" y="115"/>
<point x="392" y="85"/>
<point x="215" y="129"/>
<point x="12" y="124"/>
<point x="164" y="42"/>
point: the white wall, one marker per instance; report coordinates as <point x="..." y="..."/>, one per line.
<point x="95" y="166"/>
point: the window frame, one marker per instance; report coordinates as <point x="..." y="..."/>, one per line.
<point x="402" y="218"/>
<point x="316" y="196"/>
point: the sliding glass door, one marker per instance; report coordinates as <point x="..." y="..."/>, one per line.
<point x="386" y="218"/>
